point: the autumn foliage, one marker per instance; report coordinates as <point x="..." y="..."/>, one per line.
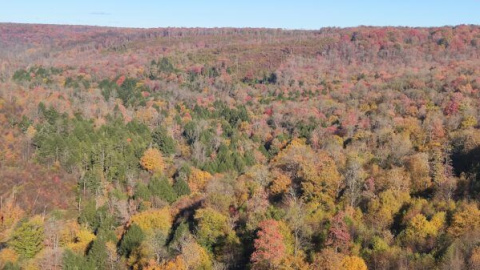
<point x="152" y="160"/>
<point x="269" y="246"/>
<point x="227" y="148"/>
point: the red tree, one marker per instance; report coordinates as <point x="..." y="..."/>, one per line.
<point x="269" y="246"/>
<point x="338" y="234"/>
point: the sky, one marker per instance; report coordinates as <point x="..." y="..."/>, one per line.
<point x="296" y="14"/>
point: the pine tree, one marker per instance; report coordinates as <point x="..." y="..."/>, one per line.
<point x="131" y="240"/>
<point x="97" y="255"/>
<point x="181" y="188"/>
<point x="164" y="141"/>
<point x="72" y="261"/>
<point x="27" y="239"/>
<point x="11" y="266"/>
<point x="162" y="189"/>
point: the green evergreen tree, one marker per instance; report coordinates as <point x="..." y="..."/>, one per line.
<point x="164" y="141"/>
<point x="27" y="239"/>
<point x="162" y="189"/>
<point x="131" y="240"/>
<point x="142" y="192"/>
<point x="72" y="261"/>
<point x="181" y="187"/>
<point x="181" y="233"/>
<point x="11" y="266"/>
<point x="97" y="255"/>
<point x="88" y="213"/>
<point x="165" y="66"/>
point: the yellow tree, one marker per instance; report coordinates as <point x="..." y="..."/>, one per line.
<point x="175" y="264"/>
<point x="82" y="240"/>
<point x="212" y="226"/>
<point x="419" y="230"/>
<point x="383" y="209"/>
<point x="465" y="220"/>
<point x="152" y="160"/>
<point x="10" y="213"/>
<point x="198" y="179"/>
<point x="353" y="263"/>
<point x="280" y="184"/>
<point x="318" y="173"/>
<point x="153" y="220"/>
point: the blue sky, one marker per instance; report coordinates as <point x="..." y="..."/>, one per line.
<point x="296" y="14"/>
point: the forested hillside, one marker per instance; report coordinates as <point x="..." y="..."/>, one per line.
<point x="342" y="148"/>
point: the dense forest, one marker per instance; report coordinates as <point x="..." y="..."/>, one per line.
<point x="172" y="148"/>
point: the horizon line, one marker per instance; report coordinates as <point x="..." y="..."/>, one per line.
<point x="240" y="27"/>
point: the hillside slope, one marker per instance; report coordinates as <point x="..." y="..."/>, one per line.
<point x="239" y="148"/>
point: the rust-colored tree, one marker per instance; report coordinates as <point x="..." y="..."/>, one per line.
<point x="338" y="234"/>
<point x="270" y="248"/>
